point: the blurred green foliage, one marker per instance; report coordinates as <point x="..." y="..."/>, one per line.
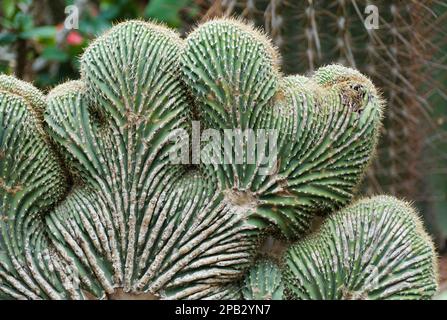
<point x="169" y="11"/>
<point x="35" y="46"/>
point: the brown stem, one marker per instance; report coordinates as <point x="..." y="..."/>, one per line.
<point x="21" y="59"/>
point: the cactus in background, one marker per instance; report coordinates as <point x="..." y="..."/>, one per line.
<point x="400" y="57"/>
<point x="93" y="207"/>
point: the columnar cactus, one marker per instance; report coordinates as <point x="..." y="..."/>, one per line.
<point x="93" y="207"/>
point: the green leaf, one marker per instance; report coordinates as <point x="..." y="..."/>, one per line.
<point x="7" y="38"/>
<point x="8" y="7"/>
<point x="45" y="32"/>
<point x="22" y="22"/>
<point x="167" y="11"/>
<point x="55" y="54"/>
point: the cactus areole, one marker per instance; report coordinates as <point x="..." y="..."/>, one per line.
<point x="92" y="207"/>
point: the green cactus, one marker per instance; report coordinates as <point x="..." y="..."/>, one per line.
<point x="263" y="282"/>
<point x="403" y="56"/>
<point x="375" y="249"/>
<point x="92" y="206"/>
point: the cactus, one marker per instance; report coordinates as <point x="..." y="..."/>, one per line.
<point x="400" y="57"/>
<point x="360" y="256"/>
<point x="263" y="282"/>
<point x="92" y="207"/>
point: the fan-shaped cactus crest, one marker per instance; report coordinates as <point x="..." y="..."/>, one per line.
<point x="91" y="205"/>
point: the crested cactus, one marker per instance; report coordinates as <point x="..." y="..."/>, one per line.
<point x="403" y="55"/>
<point x="92" y="206"/>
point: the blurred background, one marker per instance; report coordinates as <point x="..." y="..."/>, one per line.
<point x="401" y="45"/>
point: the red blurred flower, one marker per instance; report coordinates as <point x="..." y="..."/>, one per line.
<point x="74" y="38"/>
